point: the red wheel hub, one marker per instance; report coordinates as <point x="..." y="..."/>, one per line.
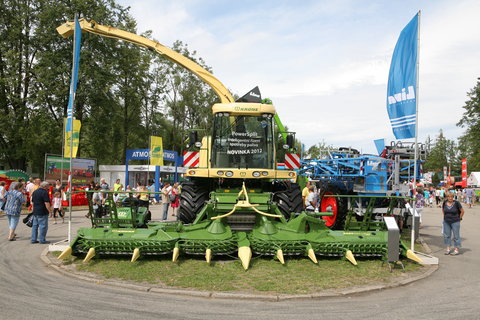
<point x="329" y="204"/>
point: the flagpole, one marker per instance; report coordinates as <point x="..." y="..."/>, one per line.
<point x="72" y="92"/>
<point x="70" y="186"/>
<point x="63" y="153"/>
<point x="62" y="191"/>
<point x="416" y="134"/>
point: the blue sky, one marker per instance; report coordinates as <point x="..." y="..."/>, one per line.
<point x="325" y="64"/>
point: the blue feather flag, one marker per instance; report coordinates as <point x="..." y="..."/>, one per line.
<point x="402" y="83"/>
<point x="73" y="83"/>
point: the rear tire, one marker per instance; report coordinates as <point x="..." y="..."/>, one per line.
<point x="337" y="205"/>
<point x="192" y="199"/>
<point x="288" y="198"/>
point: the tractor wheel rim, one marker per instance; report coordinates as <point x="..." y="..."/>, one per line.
<point x="329" y="202"/>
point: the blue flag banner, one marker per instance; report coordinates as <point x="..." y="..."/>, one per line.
<point x="380" y="145"/>
<point x="73" y="84"/>
<point x="402" y="83"/>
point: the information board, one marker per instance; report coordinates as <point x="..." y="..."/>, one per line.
<point x="82" y="173"/>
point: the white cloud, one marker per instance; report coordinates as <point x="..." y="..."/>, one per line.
<point x="325" y="64"/>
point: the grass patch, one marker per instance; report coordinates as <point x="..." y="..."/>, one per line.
<point x="297" y="276"/>
<point x="265" y="275"/>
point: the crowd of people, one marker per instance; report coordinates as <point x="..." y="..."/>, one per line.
<point x="42" y="201"/>
<point x="36" y="197"/>
<point x="144" y="193"/>
<point x="436" y="196"/>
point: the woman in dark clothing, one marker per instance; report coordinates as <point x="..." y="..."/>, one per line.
<point x="452" y="215"/>
<point x="58" y="187"/>
<point x="91" y="187"/>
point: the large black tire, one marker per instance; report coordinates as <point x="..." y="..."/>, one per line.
<point x="288" y="198"/>
<point x="337" y="205"/>
<point x="192" y="200"/>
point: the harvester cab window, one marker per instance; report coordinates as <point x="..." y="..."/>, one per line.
<point x="242" y="141"/>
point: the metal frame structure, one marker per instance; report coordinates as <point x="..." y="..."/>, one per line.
<point x="367" y="174"/>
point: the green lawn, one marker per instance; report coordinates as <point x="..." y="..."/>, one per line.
<point x="265" y="275"/>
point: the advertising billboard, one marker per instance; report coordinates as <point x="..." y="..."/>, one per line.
<point x="82" y="173"/>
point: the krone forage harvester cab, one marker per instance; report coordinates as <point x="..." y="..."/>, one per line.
<point x="235" y="201"/>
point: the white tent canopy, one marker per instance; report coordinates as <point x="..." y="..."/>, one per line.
<point x="473" y="179"/>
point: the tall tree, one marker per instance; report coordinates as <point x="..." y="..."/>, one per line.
<point x="470" y="141"/>
<point x="187" y="99"/>
<point x="317" y="150"/>
<point x="17" y="57"/>
<point x="35" y="73"/>
<point x="124" y="95"/>
<point x="444" y="153"/>
<point x="129" y="128"/>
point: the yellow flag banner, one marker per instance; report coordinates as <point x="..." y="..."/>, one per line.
<point x="76" y="138"/>
<point x="156" y="151"/>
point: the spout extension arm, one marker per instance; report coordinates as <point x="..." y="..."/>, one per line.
<point x="222" y="92"/>
<point x="281" y="127"/>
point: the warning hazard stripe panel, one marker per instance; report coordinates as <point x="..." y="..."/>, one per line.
<point x="187" y="156"/>
<point x="292" y="160"/>
<point x="191" y="159"/>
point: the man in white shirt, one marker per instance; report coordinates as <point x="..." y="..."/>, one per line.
<point x="311" y="201"/>
<point x="166" y="190"/>
<point x="31" y="187"/>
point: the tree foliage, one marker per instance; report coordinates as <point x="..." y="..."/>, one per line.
<point x="35" y="65"/>
<point x="317" y="150"/>
<point x="125" y="93"/>
<point x="444" y="153"/>
<point x="187" y="99"/>
<point x="469" y="143"/>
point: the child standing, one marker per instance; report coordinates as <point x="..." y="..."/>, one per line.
<point x="57" y="207"/>
<point x="175" y="198"/>
<point x="420" y="203"/>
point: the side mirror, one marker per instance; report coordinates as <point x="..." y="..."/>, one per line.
<point x="290" y="140"/>
<point x="193" y="137"/>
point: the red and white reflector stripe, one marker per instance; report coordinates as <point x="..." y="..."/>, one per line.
<point x="191" y="159"/>
<point x="292" y="160"/>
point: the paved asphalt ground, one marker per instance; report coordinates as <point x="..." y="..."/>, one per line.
<point x="29" y="289"/>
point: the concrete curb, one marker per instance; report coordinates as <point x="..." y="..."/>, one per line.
<point x="70" y="271"/>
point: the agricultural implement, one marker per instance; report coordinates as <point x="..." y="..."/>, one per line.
<point x="129" y="214"/>
<point x="235" y="202"/>
<point x="343" y="173"/>
<point x="239" y="220"/>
